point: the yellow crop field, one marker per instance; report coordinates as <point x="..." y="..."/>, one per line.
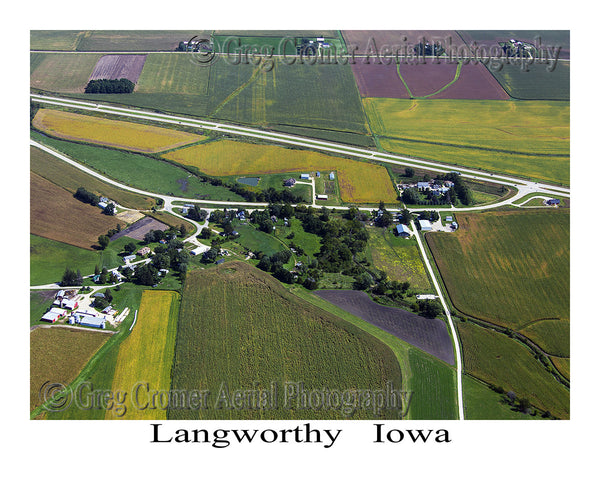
<point x="145" y="358"/>
<point x="359" y="182"/>
<point x="113" y="133"/>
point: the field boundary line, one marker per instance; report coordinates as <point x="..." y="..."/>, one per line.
<point x="134" y="320"/>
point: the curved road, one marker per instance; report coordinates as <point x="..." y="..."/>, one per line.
<point x="524" y="187"/>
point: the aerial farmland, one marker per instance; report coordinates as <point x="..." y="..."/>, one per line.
<point x="297" y="225"/>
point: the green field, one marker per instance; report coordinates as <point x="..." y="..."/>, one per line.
<point x="482" y="403"/>
<point x="499" y="360"/>
<point x="49" y="259"/>
<point x="399" y="258"/>
<point x="61" y="72"/>
<point x="71" y="178"/>
<point x="54" y="39"/>
<point x="240" y="327"/>
<point x="140" y="171"/>
<point x="258" y="241"/>
<point x="522" y="138"/>
<point x="509" y="267"/>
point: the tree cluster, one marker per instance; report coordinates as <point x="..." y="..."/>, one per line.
<point x="86" y="197"/>
<point x="71" y="277"/>
<point x="121" y="85"/>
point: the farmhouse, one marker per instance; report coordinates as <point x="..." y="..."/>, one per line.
<point x="290" y="182"/>
<point x="425" y="225"/>
<point x="53" y="315"/>
<point x="144" y="251"/>
<point x="402" y="230"/>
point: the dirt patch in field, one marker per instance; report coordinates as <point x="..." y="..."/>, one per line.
<point x="113" y="67"/>
<point x="430" y="335"/>
<point x="130" y="216"/>
<point x="57" y="215"/>
<point x="139" y="229"/>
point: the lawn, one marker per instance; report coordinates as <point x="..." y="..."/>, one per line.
<point x="135" y="137"/>
<point x="359" y="182"/>
<point x="258" y="241"/>
<point x="146" y="355"/>
<point x="509" y="267"/>
<point x="240" y="327"/>
<point x="524" y="138"/>
<point x="71" y="178"/>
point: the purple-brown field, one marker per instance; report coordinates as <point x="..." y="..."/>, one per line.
<point x="140" y="228"/>
<point x="428" y="334"/>
<point x="113" y="67"/>
<point x="474" y="82"/>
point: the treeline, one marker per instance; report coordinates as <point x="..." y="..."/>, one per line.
<point x="86" y="197"/>
<point x="121" y="85"/>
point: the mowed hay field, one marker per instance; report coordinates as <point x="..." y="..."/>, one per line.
<point x="359" y="182"/>
<point x="146" y="355"/>
<point x="61" y="72"/>
<point x="114" y="133"/>
<point x="70" y="178"/>
<point x="509" y="268"/>
<point x="521" y="138"/>
<point x="57" y="355"/>
<point x="56" y="214"/>
<point x="241" y="327"/>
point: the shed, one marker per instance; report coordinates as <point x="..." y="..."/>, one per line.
<point x="69" y="304"/>
<point x="331" y="176"/>
<point x="220" y="261"/>
<point x="102" y="205"/>
<point x="53" y="315"/>
<point x="402" y="230"/>
<point x="89" y="321"/>
<point x="322" y="197"/>
<point x="304" y="176"/>
<point x="425" y="225"/>
<point x="553" y="201"/>
<point x="129" y="258"/>
<point x="449" y="218"/>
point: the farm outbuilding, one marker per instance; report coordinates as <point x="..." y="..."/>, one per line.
<point x="331" y="176"/>
<point x="69" y="304"/>
<point x="53" y="315"/>
<point x="402" y="230"/>
<point x="449" y="218"/>
<point x="90" y="321"/>
<point x="425" y="225"/>
<point x="304" y="176"/>
<point x="553" y="201"/>
<point x="322" y="197"/>
<point x="129" y="258"/>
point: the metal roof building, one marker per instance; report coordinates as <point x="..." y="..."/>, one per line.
<point x="402" y="230"/>
<point x="425" y="225"/>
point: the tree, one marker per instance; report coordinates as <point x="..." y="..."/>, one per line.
<point x="429" y="308"/>
<point x="109" y="209"/>
<point x="145" y="275"/>
<point x="206" y="233"/>
<point x="409" y="172"/>
<point x="362" y="281"/>
<point x="71" y="278"/>
<point x="103" y="241"/>
<point x="129" y="248"/>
